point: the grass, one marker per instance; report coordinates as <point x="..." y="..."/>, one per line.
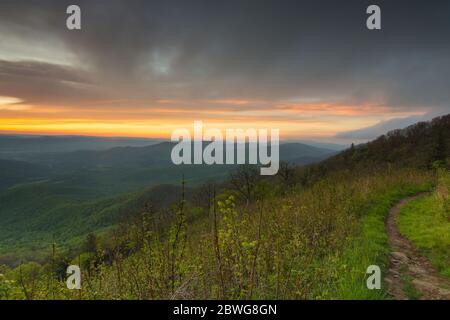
<point x="425" y="223"/>
<point x="410" y="290"/>
<point x="370" y="247"/>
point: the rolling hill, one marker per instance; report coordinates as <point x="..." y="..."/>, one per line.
<point x="13" y="172"/>
<point x="17" y="145"/>
<point x="125" y="169"/>
<point x="69" y="194"/>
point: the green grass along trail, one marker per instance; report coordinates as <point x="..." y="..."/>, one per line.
<point x="410" y="274"/>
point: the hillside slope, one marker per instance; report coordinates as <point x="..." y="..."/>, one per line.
<point x="418" y="146"/>
<point x="13" y="172"/>
<point x="87" y="191"/>
<point x="35" y="215"/>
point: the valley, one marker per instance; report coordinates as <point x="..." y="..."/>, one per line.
<point x="63" y="196"/>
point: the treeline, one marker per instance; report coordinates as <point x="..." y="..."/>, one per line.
<point x="425" y="145"/>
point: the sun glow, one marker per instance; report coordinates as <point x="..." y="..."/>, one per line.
<point x="158" y="120"/>
<point x="12" y="104"/>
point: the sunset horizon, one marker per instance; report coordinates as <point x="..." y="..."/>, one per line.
<point x="85" y="82"/>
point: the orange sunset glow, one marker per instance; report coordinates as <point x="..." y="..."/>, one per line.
<point x="309" y="120"/>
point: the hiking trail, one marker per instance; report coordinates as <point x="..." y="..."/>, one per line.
<point x="409" y="271"/>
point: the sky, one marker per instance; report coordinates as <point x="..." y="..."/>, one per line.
<point x="145" y="68"/>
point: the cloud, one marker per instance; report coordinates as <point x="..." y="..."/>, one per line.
<point x="372" y="132"/>
<point x="216" y="55"/>
<point x="45" y="83"/>
<point x="12" y="104"/>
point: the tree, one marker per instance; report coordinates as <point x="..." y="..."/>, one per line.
<point x="439" y="153"/>
<point x="286" y="173"/>
<point x="27" y="277"/>
<point x="244" y="181"/>
<point x="91" y="243"/>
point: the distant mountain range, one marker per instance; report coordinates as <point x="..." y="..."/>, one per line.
<point x="134" y="166"/>
<point x="319" y="144"/>
<point x="48" y="191"/>
<point x="14" y="145"/>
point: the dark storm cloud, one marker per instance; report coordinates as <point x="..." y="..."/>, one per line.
<point x="253" y="49"/>
<point x="37" y="82"/>
<point x="40" y="70"/>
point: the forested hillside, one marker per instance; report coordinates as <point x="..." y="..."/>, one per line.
<point x="418" y="146"/>
<point x="63" y="196"/>
<point x="15" y="172"/>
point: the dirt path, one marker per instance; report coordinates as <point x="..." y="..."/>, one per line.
<point x="410" y="274"/>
